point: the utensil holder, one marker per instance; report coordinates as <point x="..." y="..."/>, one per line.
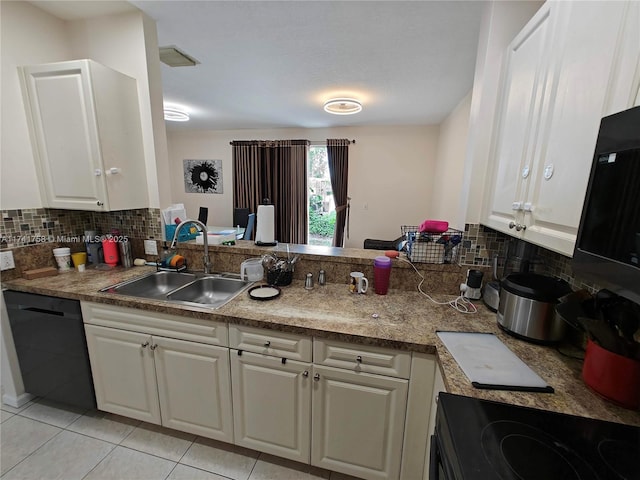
<point x="279" y="277"/>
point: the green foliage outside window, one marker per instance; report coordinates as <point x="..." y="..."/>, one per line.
<point x="323" y="225"/>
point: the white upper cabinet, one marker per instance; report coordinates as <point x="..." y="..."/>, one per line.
<point x="87" y="136"/>
<point x="566" y="70"/>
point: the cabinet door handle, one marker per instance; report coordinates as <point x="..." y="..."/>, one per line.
<point x="316" y="377"/>
<point x="99" y="203"/>
<point x="518" y="226"/>
<point x="144" y="345"/>
<point x="359" y="359"/>
<point x="154" y="346"/>
<point x="305" y="373"/>
<point x="267" y="343"/>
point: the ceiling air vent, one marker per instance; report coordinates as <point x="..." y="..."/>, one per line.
<point x="173" y="57"/>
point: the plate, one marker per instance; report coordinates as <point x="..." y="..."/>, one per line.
<point x="264" y="292"/>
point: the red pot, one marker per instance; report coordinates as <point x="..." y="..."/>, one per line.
<point x="613" y="376"/>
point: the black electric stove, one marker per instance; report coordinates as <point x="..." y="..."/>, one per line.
<point x="483" y="440"/>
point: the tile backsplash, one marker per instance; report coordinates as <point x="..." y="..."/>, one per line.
<point x="22" y="227"/>
<point x="32" y="226"/>
<point x="481" y="244"/>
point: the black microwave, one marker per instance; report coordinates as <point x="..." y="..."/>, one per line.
<point x="607" y="249"/>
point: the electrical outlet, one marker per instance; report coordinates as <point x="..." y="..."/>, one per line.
<point x="6" y="261"/>
<point x="150" y="247"/>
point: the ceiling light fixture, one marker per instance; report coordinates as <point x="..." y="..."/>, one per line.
<point x="174" y="115"/>
<point x="342" y="106"/>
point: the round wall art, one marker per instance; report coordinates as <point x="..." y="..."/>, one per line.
<point x="203" y="176"/>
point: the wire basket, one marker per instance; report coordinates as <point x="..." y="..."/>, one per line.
<point x="424" y="247"/>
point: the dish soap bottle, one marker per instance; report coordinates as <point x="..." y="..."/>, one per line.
<point x="165" y="255"/>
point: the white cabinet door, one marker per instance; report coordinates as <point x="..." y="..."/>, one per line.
<point x="194" y="387"/>
<point x="575" y="94"/>
<point x="624" y="91"/>
<point x="87" y="136"/>
<point x="572" y="64"/>
<point x="358" y="422"/>
<point x="123" y="373"/>
<point x="523" y="83"/>
<point x="66" y="134"/>
<point x="272" y="405"/>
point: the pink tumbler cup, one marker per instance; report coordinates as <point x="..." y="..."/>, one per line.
<point x="110" y="250"/>
<point x="381" y="274"/>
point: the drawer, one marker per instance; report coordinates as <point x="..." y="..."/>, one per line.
<point x="362" y="358"/>
<point x="155" y="323"/>
<point x="269" y="342"/>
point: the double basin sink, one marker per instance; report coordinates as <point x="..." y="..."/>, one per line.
<point x="194" y="289"/>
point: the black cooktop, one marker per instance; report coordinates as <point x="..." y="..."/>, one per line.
<point x="483" y="440"/>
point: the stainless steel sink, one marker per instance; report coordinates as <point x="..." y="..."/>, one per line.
<point x="213" y="291"/>
<point x="208" y="290"/>
<point x="157" y="285"/>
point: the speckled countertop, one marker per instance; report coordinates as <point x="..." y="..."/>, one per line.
<point x="405" y="320"/>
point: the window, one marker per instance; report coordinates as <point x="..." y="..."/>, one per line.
<point x="322" y="213"/>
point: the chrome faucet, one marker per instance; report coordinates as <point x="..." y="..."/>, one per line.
<point x="205" y="260"/>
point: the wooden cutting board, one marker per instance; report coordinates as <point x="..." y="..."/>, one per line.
<point x="488" y="363"/>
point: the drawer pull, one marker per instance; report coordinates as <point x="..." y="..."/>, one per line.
<point x="359" y="359"/>
<point x="267" y="343"/>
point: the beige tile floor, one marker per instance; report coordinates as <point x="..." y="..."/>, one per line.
<point x="43" y="440"/>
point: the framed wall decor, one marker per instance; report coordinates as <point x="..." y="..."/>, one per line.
<point x="203" y="176"/>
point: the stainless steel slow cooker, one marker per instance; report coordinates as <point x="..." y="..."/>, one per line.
<point x="527" y="306"/>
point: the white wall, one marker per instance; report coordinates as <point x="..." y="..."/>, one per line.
<point x="31" y="36"/>
<point x="390" y="173"/>
<point x="500" y="24"/>
<point x="446" y="197"/>
<point x="28" y="36"/>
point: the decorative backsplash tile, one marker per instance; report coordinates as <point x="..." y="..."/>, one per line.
<point x="46" y="225"/>
<point x="481" y="244"/>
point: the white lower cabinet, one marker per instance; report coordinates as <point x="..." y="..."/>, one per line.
<point x="356" y="409"/>
<point x="272" y="404"/>
<point x="124" y="375"/>
<point x="179" y="384"/>
<point x="358" y="422"/>
<point x="194" y="387"/>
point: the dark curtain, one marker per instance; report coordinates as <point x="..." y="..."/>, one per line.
<point x="275" y="170"/>
<point x="338" y="159"/>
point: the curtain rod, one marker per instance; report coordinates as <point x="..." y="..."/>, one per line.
<point x="314" y="142"/>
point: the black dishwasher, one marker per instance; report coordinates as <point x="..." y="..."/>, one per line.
<point x="52" y="349"/>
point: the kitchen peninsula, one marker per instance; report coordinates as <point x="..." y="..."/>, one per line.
<point x="406" y="320"/>
<point x="384" y="347"/>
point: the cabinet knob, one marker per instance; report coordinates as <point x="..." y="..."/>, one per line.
<point x="517" y="226"/>
<point x="144" y="345"/>
<point x="113" y="171"/>
<point x="99" y="203"/>
<point x="359" y="359"/>
<point x="305" y="373"/>
<point x="316" y="377"/>
<point x="154" y="346"/>
<point x="267" y="343"/>
<point x="97" y="172"/>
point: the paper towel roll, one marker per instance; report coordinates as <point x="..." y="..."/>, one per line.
<point x="265" y="228"/>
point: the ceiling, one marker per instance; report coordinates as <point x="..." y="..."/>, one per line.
<point x="272" y="64"/>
